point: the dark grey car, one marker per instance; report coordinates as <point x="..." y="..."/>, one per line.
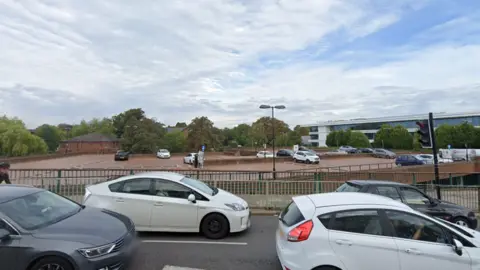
<point x="40" y="230"/>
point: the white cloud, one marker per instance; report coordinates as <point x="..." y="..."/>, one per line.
<point x="180" y="59"/>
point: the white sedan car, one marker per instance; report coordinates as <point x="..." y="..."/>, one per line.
<point x="163" y="153"/>
<point x="264" y="154"/>
<point x="171" y="202"/>
<point x="350" y="231"/>
<point x="189" y="158"/>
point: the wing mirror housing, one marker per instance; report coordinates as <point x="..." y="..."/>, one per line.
<point x="191" y="198"/>
<point x="4" y="234"/>
<point x="457" y="247"/>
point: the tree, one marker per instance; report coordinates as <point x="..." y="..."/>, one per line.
<point x="396" y="137"/>
<point x="102" y="126"/>
<point x="175" y="142"/>
<point x="16" y="140"/>
<point x="262" y="130"/>
<point x="240" y="134"/>
<point x="358" y="139"/>
<point x="445" y="135"/>
<point x="181" y="125"/>
<point x="331" y="140"/>
<point x="52" y="136"/>
<point x="119" y="121"/>
<point x="142" y="136"/>
<point x="457" y="136"/>
<point x="302" y="131"/>
<point x="200" y="132"/>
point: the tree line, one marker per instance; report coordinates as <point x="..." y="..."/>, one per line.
<point x="464" y="135"/>
<point x="141" y="134"/>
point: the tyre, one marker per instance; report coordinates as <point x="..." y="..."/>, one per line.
<point x="461" y="221"/>
<point x="308" y="161"/>
<point x="215" y="226"/>
<point x="294" y="160"/>
<point x="52" y="262"/>
<point x="325" y="268"/>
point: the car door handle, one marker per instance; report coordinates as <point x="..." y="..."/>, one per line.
<point x="413" y="251"/>
<point x="158" y="204"/>
<point x="343" y="242"/>
<point x="119" y="200"/>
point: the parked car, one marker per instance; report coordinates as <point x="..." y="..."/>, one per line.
<point x="264" y="154"/>
<point x="365" y="150"/>
<point x="163" y="153"/>
<point x="121" y="155"/>
<point x="348" y="149"/>
<point x="332" y="231"/>
<point x="416" y="199"/>
<point x="285" y="153"/>
<point x="429" y="159"/>
<point x="172" y="202"/>
<point x="409" y="160"/>
<point x="189" y="158"/>
<point x="335" y="152"/>
<point x="306" y="157"/>
<point x="383" y="153"/>
<point x="42" y="230"/>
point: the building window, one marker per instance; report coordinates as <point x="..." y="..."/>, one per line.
<point x="314" y="144"/>
<point x="314" y="137"/>
<point x="313" y="129"/>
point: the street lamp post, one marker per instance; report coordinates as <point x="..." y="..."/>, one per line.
<point x="278" y="107"/>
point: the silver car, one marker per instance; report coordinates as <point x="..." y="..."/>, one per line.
<point x="383" y="153"/>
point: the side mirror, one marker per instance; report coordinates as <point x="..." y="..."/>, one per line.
<point x="4" y="234"/>
<point x="457" y="247"/>
<point x="191" y="198"/>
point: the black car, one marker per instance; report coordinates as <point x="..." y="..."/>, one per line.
<point x="415" y="198"/>
<point x="41" y="230"/>
<point x="285" y="153"/>
<point x="365" y="150"/>
<point x="122" y="155"/>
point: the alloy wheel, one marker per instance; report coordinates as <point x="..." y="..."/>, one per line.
<point x="51" y="266"/>
<point x="461" y="223"/>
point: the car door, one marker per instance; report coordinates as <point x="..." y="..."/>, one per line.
<point x="423" y="244"/>
<point x="419" y="201"/>
<point x="13" y="250"/>
<point x="133" y="198"/>
<point x="172" y="211"/>
<point x="355" y="235"/>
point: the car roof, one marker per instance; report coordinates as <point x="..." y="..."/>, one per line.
<point x="173" y="176"/>
<point x="353" y="198"/>
<point x="375" y="182"/>
<point x="11" y="192"/>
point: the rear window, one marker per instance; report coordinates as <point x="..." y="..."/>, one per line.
<point x="291" y="215"/>
<point x="348" y="187"/>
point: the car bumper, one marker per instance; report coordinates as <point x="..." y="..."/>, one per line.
<point x="240" y="220"/>
<point x="288" y="258"/>
<point x="163" y="157"/>
<point x="125" y="259"/>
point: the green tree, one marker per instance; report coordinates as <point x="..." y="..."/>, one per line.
<point x="103" y="126"/>
<point x="302" y="131"/>
<point x="358" y="139"/>
<point x="241" y="133"/>
<point x="445" y="135"/>
<point x="142" y="136"/>
<point x="16" y="140"/>
<point x="262" y="130"/>
<point x="396" y="137"/>
<point x="464" y="135"/>
<point x="175" y="142"/>
<point x="200" y="132"/>
<point x="119" y="121"/>
<point x="52" y="136"/>
<point x="331" y="140"/>
<point x="181" y="125"/>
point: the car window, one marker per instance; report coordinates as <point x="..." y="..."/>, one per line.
<point x="325" y="219"/>
<point x="413" y="196"/>
<point x="166" y="188"/>
<point x="115" y="186"/>
<point x="348" y="187"/>
<point x="408" y="226"/>
<point x="358" y="221"/>
<point x="291" y="215"/>
<point x="139" y="186"/>
<point x="199" y="185"/>
<point x="390" y="192"/>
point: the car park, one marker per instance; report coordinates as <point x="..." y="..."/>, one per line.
<point x="171" y="202"/>
<point x="383" y="153"/>
<point x="285" y="153"/>
<point x="121" y="155"/>
<point x="340" y="231"/>
<point x="163" y="153"/>
<point x="40" y="230"/>
<point x="264" y="154"/>
<point x="414" y="198"/>
<point x="306" y="157"/>
<point x="189" y="158"/>
<point x="409" y="160"/>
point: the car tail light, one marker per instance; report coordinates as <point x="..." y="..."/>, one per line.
<point x="301" y="232"/>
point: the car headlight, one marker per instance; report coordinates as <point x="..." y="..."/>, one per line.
<point x="97" y="251"/>
<point x="235" y="206"/>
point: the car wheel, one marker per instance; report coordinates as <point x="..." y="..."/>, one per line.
<point x="294" y="160"/>
<point x="215" y="226"/>
<point x="52" y="262"/>
<point x="461" y="221"/>
<point x="308" y="161"/>
<point x="326" y="268"/>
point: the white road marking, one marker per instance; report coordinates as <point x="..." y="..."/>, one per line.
<point x="172" y="267"/>
<point x="196" y="242"/>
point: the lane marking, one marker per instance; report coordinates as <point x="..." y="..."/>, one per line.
<point x="173" y="267"/>
<point x="195" y="242"/>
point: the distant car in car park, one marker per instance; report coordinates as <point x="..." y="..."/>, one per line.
<point x="264" y="154"/>
<point x="335" y="152"/>
<point x="171" y="202"/>
<point x="416" y="199"/>
<point x="306" y="157"/>
<point x="383" y="153"/>
<point x="285" y="153"/>
<point x="429" y="159"/>
<point x="121" y="155"/>
<point x="409" y="160"/>
<point x="340" y="231"/>
<point x="163" y="153"/>
<point x="189" y="158"/>
<point x="365" y="150"/>
<point x="348" y="149"/>
<point x="41" y="230"/>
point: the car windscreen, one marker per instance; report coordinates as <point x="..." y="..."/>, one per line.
<point x="199" y="185"/>
<point x="39" y="209"/>
<point x="450" y="225"/>
<point x="348" y="187"/>
<point x="163" y="151"/>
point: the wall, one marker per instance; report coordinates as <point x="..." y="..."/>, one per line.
<point x="88" y="147"/>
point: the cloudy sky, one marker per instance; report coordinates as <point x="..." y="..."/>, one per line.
<point x="67" y="60"/>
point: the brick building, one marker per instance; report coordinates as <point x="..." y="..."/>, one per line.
<point x="93" y="143"/>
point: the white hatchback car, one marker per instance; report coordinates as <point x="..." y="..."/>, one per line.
<point x="351" y="231"/>
<point x="171" y="202"/>
<point x="306" y="157"/>
<point x="189" y="158"/>
<point x="163" y="153"/>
